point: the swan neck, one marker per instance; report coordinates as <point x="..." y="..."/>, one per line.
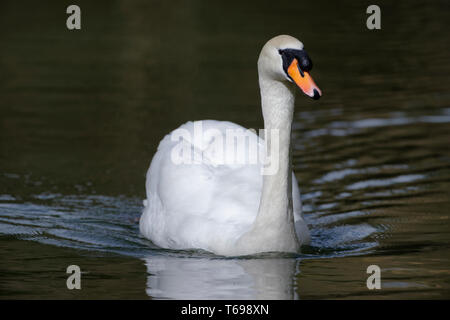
<point x="275" y="210"/>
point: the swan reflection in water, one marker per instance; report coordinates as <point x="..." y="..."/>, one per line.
<point x="206" y="278"/>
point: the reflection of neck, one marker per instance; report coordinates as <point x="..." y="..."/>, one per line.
<point x="274" y="228"/>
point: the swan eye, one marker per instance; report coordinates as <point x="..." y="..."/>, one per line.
<point x="288" y="55"/>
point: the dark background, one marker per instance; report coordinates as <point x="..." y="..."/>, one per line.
<point x="82" y="112"/>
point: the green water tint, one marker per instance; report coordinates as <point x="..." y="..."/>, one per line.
<point x="82" y="112"/>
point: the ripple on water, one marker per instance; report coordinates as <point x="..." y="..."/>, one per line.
<point x="109" y="224"/>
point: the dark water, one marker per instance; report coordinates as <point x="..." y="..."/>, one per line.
<point x="81" y="114"/>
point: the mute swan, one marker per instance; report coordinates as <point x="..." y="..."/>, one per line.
<point x="231" y="208"/>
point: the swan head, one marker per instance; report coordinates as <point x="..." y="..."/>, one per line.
<point x="284" y="59"/>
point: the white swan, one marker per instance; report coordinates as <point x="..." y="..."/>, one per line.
<point x="230" y="208"/>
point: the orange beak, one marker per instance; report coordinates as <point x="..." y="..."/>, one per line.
<point x="304" y="80"/>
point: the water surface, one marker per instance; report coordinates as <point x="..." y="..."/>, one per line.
<point x="81" y="114"/>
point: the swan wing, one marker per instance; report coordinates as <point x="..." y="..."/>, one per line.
<point x="203" y="192"/>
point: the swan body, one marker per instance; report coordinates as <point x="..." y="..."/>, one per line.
<point x="229" y="207"/>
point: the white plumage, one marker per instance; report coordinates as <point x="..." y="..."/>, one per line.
<point x="206" y="205"/>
